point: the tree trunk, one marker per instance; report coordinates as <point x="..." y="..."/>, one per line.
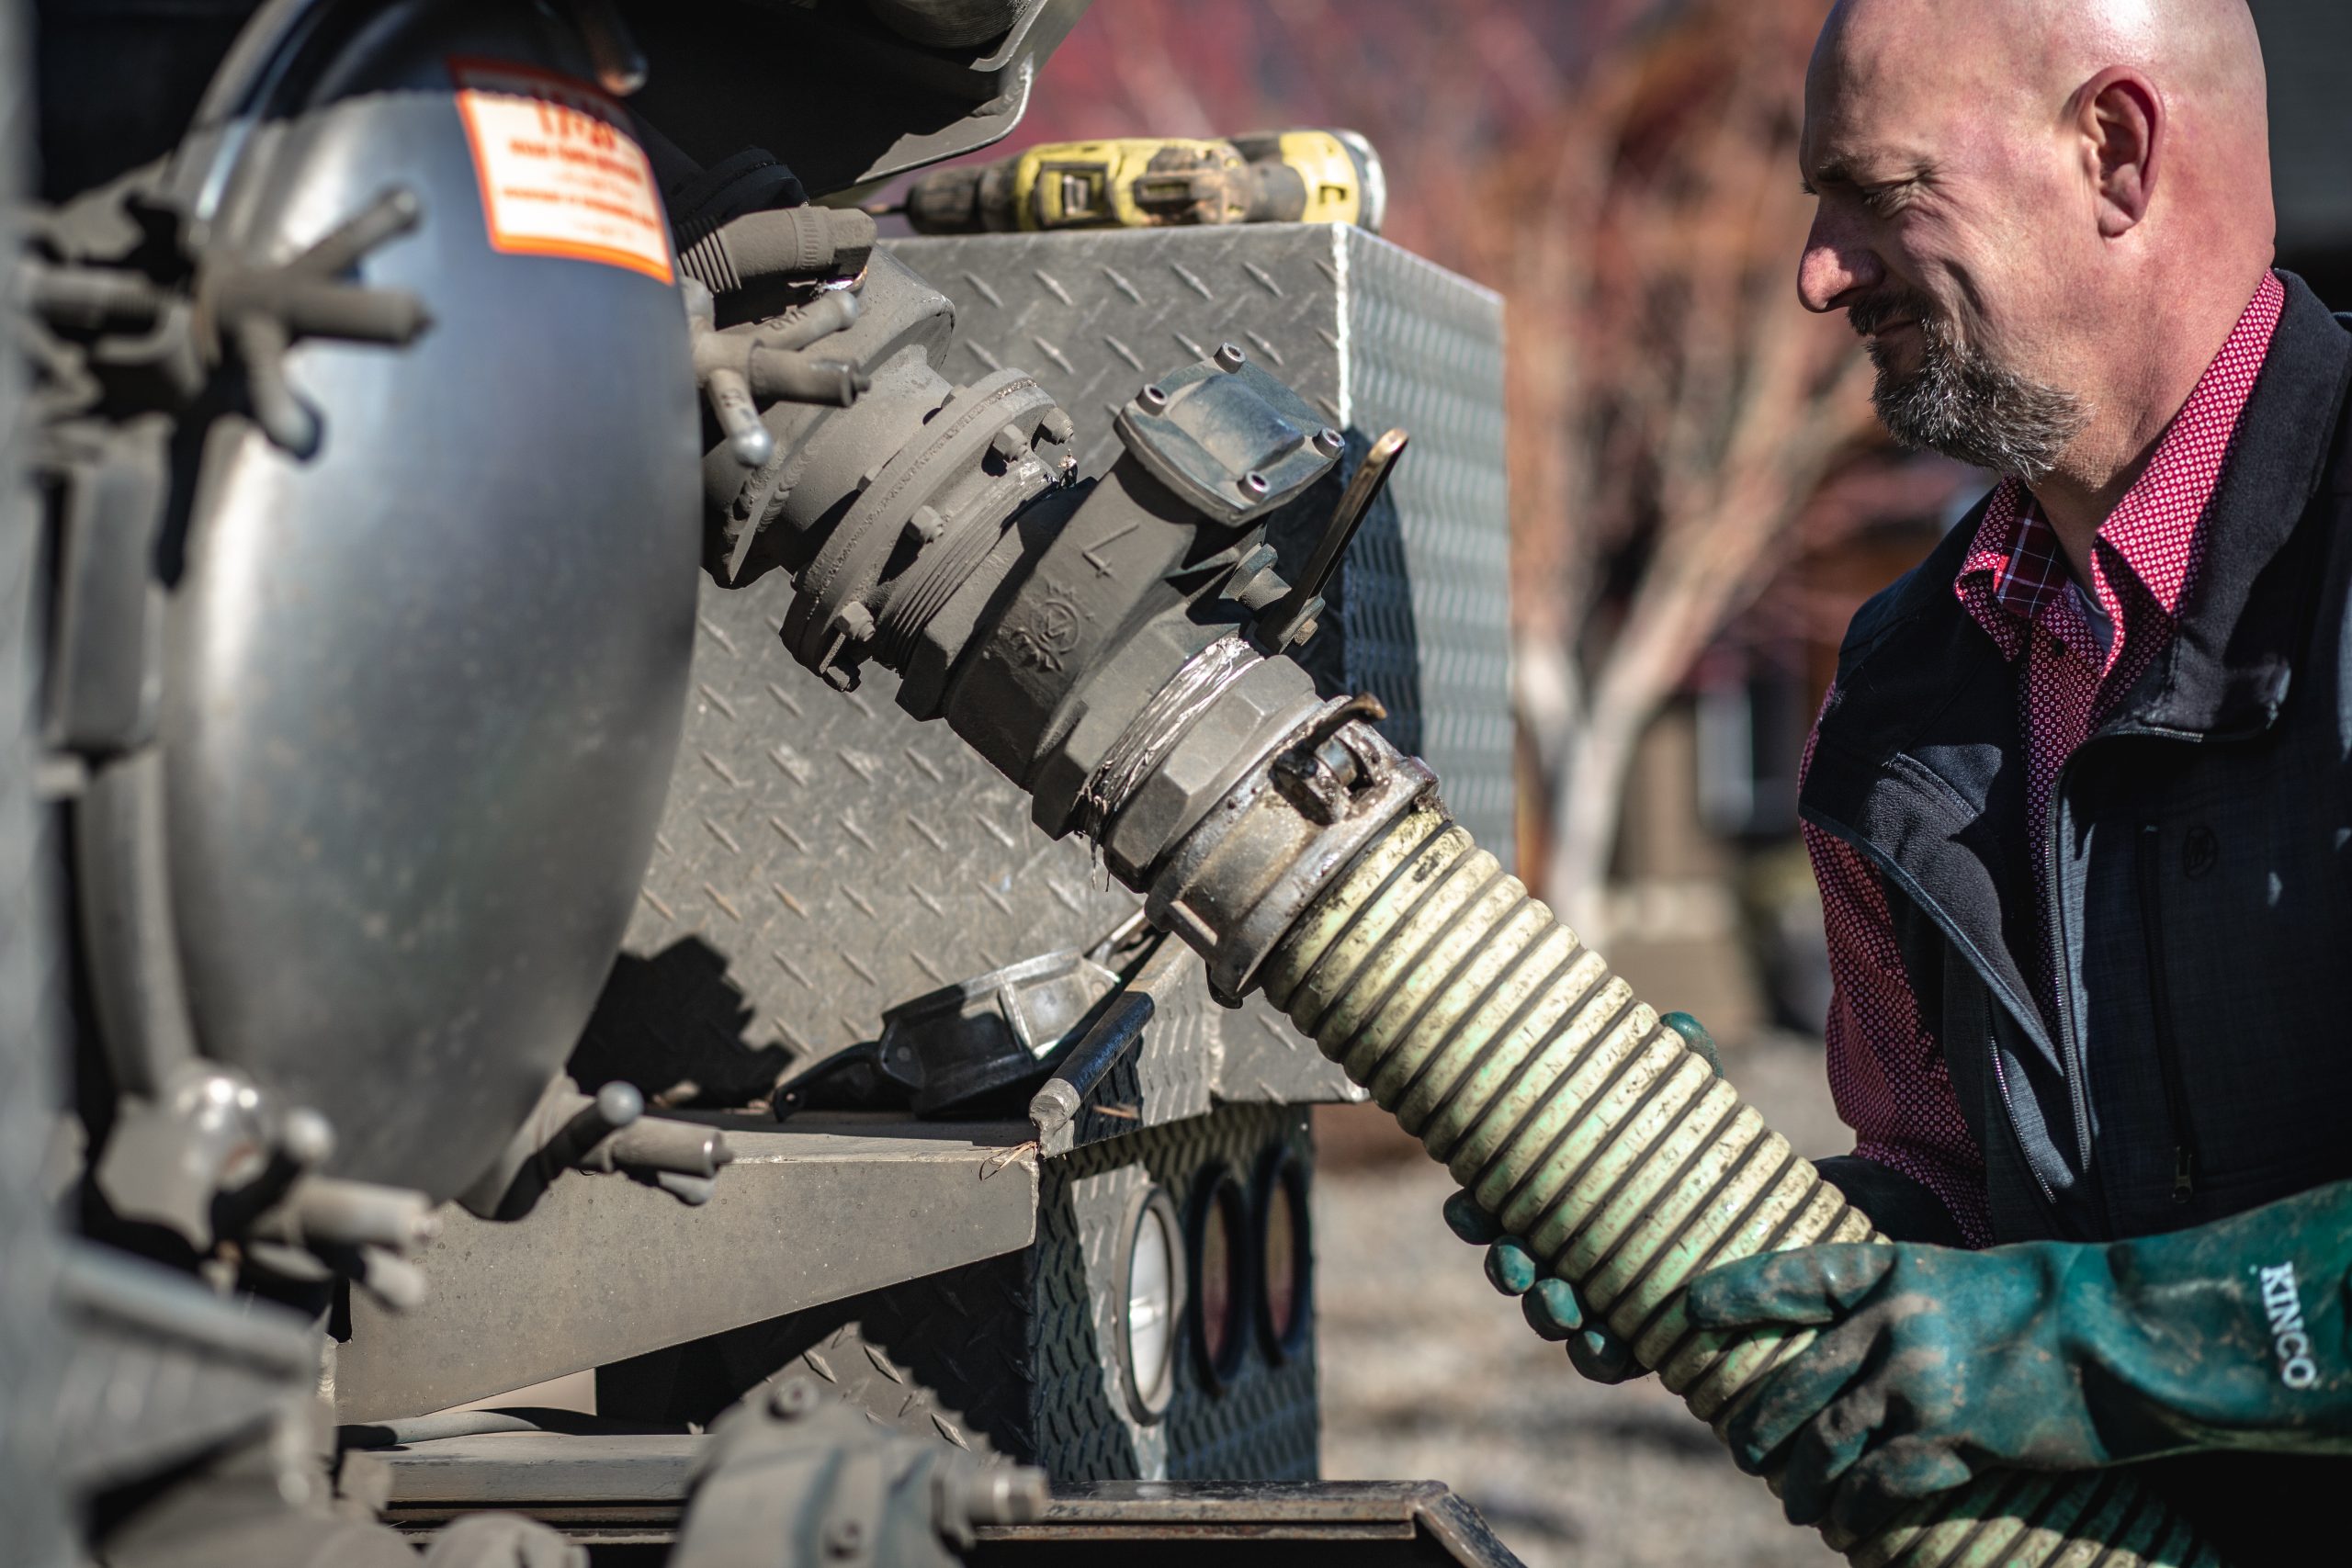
<point x="1587" y="790"/>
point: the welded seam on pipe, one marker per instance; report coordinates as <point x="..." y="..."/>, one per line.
<point x="1155" y="731"/>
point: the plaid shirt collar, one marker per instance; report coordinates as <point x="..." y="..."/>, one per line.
<point x="2015" y="575"/>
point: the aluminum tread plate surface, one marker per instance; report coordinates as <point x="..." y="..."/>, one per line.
<point x="822" y="857"/>
<point x="1368" y="332"/>
<point x="1016" y="1356"/>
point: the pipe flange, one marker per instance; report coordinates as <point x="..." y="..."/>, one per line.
<point x="1229" y="440"/>
<point x="1264" y="853"/>
<point x="1005" y="413"/>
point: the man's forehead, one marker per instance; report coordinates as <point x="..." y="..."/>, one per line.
<point x="1889" y="79"/>
<point x="1850" y="135"/>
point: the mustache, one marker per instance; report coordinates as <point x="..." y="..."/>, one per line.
<point x="1868" y="315"/>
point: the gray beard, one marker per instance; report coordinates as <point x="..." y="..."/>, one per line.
<point x="1962" y="404"/>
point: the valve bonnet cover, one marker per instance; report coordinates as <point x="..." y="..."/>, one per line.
<point x="424" y="686"/>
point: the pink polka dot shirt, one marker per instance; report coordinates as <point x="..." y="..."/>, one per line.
<point x="2077" y="647"/>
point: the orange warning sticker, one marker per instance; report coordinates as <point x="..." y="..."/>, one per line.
<point x="560" y="176"/>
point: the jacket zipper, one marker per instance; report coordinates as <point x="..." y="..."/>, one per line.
<point x="2184" y="1139"/>
<point x="2021" y="1007"/>
<point x="2061" y="984"/>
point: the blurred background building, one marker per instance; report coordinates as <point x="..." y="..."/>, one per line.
<point x="1699" y="500"/>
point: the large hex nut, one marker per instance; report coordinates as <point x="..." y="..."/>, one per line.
<point x="1143" y="663"/>
<point x="1246" y="721"/>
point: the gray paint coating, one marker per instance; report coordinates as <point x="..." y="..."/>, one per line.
<point x="1372" y="336"/>
<point x="606" y="1268"/>
<point x="822" y="857"/>
<point x="424" y="689"/>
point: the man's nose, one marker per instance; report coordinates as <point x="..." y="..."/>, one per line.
<point x="1837" y="267"/>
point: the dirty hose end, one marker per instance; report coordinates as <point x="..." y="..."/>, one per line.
<point x="1331" y="876"/>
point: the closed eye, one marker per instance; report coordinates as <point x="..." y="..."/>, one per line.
<point x="1892" y="196"/>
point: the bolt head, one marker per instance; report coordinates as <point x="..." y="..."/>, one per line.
<point x="1010" y="444"/>
<point x="854" y="621"/>
<point x="1229" y="357"/>
<point x="1329" y="442"/>
<point x="792" y="1398"/>
<point x="844" y="1536"/>
<point x="1153" y="399"/>
<point x="621" y="1103"/>
<point x="306" y="1136"/>
<point x="1254" y="483"/>
<point x="1056" y="426"/>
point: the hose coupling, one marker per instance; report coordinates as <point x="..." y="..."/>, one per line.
<point x="1269" y="847"/>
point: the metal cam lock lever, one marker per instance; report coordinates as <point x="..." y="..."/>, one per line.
<point x="1291" y="618"/>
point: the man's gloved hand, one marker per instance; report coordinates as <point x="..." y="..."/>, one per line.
<point x="1552" y="1305"/>
<point x="1933" y="1365"/>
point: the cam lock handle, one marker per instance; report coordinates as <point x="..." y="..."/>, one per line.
<point x="1291" y="618"/>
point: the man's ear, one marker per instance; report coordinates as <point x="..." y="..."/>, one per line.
<point x="2121" y="120"/>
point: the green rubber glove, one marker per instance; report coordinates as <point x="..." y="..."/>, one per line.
<point x="1552" y="1306"/>
<point x="1933" y="1365"/>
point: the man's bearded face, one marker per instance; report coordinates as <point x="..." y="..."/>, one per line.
<point x="1960" y="400"/>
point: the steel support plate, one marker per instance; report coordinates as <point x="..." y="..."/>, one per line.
<point x="1110" y="1515"/>
<point x="636" y="1481"/>
<point x="604" y="1268"/>
<point x="634" y="1488"/>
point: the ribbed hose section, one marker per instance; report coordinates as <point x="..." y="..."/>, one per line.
<point x="1552" y="1094"/>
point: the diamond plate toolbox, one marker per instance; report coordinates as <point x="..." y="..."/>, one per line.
<point x="823" y="857"/>
<point x="1374" y="337"/>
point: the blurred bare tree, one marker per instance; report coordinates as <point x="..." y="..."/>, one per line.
<point x="1674" y="408"/>
<point x="1625" y="175"/>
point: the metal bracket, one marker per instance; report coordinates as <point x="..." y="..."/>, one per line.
<point x="1230" y="440"/>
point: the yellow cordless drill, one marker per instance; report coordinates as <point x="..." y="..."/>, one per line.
<point x="1139" y="182"/>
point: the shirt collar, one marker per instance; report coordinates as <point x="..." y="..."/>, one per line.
<point x="2015" y="573"/>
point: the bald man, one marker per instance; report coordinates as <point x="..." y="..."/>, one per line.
<point x="2079" y="799"/>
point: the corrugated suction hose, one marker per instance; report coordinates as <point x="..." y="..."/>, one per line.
<point x="1553" y="1095"/>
